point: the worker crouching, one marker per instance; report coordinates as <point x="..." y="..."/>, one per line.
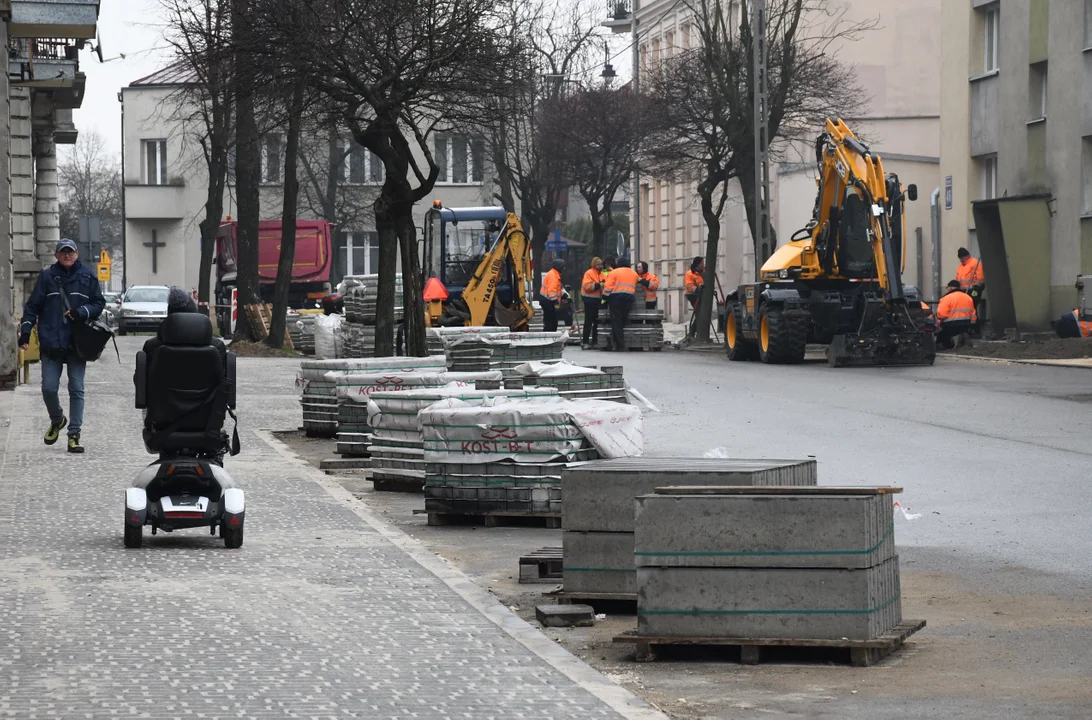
<point x="1071" y="325"/>
<point x="620" y="290"/>
<point x="955" y="315"/>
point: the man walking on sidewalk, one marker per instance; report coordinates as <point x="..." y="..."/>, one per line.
<point x="46" y="308"/>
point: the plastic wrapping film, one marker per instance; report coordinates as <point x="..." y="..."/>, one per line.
<point x="517" y="339"/>
<point x="328" y="336"/>
<point x="394" y="412"/>
<point x="529" y="430"/>
<point x="358" y="386"/>
<point x="317" y="371"/>
<point x="560" y="368"/>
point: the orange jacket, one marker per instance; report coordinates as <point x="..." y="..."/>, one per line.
<point x="653" y="286"/>
<point x="587" y="286"/>
<point x="926" y="309"/>
<point x="970" y="273"/>
<point x="621" y="281"/>
<point x="551" y="286"/>
<point x="956" y="305"/>
<point x="693" y="282"/>
<point x="1084" y="325"/>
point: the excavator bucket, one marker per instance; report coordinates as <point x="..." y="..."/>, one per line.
<point x="514" y="319"/>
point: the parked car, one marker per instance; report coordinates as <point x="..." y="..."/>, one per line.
<point x="112" y="311"/>
<point x="143" y="307"/>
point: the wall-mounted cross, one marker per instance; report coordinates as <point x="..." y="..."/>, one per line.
<point x="155" y="245"/>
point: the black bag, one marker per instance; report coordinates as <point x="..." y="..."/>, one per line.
<point x="89" y="338"/>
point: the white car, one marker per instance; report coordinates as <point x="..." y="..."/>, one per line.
<point x="143" y="307"/>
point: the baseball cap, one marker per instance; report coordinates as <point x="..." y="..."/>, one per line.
<point x="66" y="244"/>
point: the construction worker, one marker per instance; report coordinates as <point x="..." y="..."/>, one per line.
<point x="955" y="315"/>
<point x="1070" y="325"/>
<point x="608" y="265"/>
<point x="550" y="296"/>
<point x="693" y="282"/>
<point x="971" y="277"/>
<point x="650" y="283"/>
<point x="620" y="290"/>
<point x="591" y="290"/>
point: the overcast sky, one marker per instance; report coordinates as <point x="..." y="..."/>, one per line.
<point x="126" y="27"/>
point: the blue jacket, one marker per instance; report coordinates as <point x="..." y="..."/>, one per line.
<point x="46" y="308"/>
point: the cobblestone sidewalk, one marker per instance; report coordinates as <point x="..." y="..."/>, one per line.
<point x="322" y="613"/>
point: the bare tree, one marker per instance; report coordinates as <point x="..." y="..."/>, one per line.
<point x="596" y="135"/>
<point x="90" y="185"/>
<point x="557" y="43"/>
<point x="328" y="189"/>
<point x="706" y="100"/>
<point x="397" y="69"/>
<point x="201" y="39"/>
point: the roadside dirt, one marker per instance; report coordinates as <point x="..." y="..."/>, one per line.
<point x="1055" y="349"/>
<point x="981" y="655"/>
<point x="245" y="348"/>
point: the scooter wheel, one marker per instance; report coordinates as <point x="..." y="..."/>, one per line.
<point x="134" y="535"/>
<point x="233" y="536"/>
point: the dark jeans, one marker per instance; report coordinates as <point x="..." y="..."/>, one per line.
<point x="693" y="299"/>
<point x="650" y="304"/>
<point x="51" y="384"/>
<point x="619" y="305"/>
<point x="549" y="315"/>
<point x="591" y="320"/>
<point x="949" y="330"/>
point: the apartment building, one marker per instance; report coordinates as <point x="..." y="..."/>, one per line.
<point x="1016" y="152"/>
<point x="40" y="87"/>
<point x="897" y="64"/>
<point x="166" y="183"/>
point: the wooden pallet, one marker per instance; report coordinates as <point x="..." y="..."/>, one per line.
<point x="862" y="653"/>
<point x="400" y="485"/>
<point x="493" y="519"/>
<point x="260" y="318"/>
<point x="335" y="464"/>
<point x="541" y="566"/>
<point x="566" y="597"/>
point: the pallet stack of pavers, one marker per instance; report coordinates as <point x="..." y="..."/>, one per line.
<point x="644" y="330"/>
<point x="317" y="380"/>
<point x="358" y="330"/>
<point x="507" y="457"/>
<point x="397" y="448"/>
<point x="599" y="500"/>
<point x="503" y="351"/>
<point x="301" y="327"/>
<point x="577" y="382"/>
<point x="438" y="338"/>
<point x="796" y="565"/>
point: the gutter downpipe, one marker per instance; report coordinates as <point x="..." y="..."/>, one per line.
<point x="934" y="218"/>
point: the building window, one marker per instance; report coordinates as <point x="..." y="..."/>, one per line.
<point x="360" y="254"/>
<point x="992" y="38"/>
<point x="155" y="161"/>
<point x="1037" y="91"/>
<point x="272" y="159"/>
<point x="1086" y="175"/>
<point x="361" y="166"/>
<point x="987" y="176"/>
<point x="461" y="159"/>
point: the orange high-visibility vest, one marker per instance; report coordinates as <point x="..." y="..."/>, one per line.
<point x="551" y="286"/>
<point x="969" y="274"/>
<point x="693" y="282"/>
<point x="621" y="281"/>
<point x="653" y="286"/>
<point x="587" y="286"/>
<point x="1084" y="325"/>
<point x="956" y="305"/>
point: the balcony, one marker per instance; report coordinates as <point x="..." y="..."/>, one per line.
<point x="619" y="16"/>
<point x="154" y="202"/>
<point x="74" y="19"/>
<point x="43" y="63"/>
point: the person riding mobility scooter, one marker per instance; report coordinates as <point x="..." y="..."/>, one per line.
<point x="185" y="383"/>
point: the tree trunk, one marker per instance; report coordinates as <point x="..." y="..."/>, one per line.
<point x="412" y="289"/>
<point x="248" y="169"/>
<point x="333" y="176"/>
<point x="387" y="229"/>
<point x="287" y="259"/>
<point x="540" y="230"/>
<point x="599" y="239"/>
<point x="712" y="245"/>
<point x="748" y="188"/>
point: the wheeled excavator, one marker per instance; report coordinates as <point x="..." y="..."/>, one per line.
<point x="838" y="281"/>
<point x="476" y="275"/>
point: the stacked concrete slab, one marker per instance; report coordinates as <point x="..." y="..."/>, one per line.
<point x="301" y="327"/>
<point x="804" y="563"/>
<point x="397" y="447"/>
<point x="644" y="330"/>
<point x="599" y="505"/>
<point x="583" y="383"/>
<point x="502" y="351"/>
<point x="358" y="330"/>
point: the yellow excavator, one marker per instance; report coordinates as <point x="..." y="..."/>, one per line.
<point x="838" y="282"/>
<point x="477" y="264"/>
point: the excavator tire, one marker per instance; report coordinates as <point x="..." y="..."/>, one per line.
<point x="738" y="347"/>
<point x="781" y="340"/>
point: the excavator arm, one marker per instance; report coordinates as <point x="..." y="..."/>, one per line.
<point x="510" y="252"/>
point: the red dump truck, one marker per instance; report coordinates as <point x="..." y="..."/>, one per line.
<point x="310" y="268"/>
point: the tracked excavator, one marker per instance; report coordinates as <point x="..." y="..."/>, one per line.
<point x="477" y="269"/>
<point x="838" y="281"/>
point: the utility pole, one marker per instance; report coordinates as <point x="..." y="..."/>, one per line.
<point x="762" y="146"/>
<point x="635" y="201"/>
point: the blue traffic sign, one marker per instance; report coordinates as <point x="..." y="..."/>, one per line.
<point x="556" y="244"/>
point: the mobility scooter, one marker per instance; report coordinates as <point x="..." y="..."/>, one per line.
<point x="186" y="385"/>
